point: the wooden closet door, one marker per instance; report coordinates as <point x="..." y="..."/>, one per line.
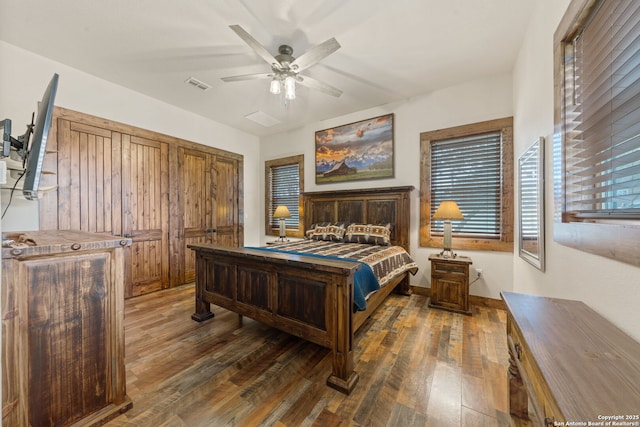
<point x="145" y="177"/>
<point x="160" y="190"/>
<point x="88" y="179"/>
<point x="226" y="202"/>
<point x="207" y="207"/>
<point x="109" y="182"/>
<point x="197" y="204"/>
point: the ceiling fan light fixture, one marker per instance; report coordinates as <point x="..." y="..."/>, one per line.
<point x="290" y="88"/>
<point x="285" y="68"/>
<point x="275" y="86"/>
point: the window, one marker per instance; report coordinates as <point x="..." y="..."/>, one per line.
<point x="284" y="182"/>
<point x="597" y="120"/>
<point x="472" y="165"/>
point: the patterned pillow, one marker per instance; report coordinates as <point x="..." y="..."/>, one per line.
<point x="368" y="233"/>
<point x="311" y="230"/>
<point x="331" y="232"/>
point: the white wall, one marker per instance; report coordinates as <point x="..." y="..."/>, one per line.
<point x="23" y="78"/>
<point x="467" y="103"/>
<point x="609" y="287"/>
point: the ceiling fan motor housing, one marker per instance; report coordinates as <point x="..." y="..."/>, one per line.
<point x="285" y="59"/>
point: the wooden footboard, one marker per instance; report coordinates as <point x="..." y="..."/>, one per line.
<point x="309" y="297"/>
<point x="303" y="296"/>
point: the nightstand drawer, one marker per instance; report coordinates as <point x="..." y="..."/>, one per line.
<point x="446" y="268"/>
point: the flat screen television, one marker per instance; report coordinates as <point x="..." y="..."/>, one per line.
<point x="31" y="152"/>
<point x="37" y="148"/>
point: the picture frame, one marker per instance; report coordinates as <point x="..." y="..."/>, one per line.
<point x="362" y="150"/>
<point x="531" y="206"/>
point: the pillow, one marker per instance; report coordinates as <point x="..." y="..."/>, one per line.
<point x="312" y="228"/>
<point x="330" y="233"/>
<point x="368" y="233"/>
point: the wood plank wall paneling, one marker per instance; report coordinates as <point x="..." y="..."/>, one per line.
<point x="418" y="367"/>
<point x="159" y="190"/>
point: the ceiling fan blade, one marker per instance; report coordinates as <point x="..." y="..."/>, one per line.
<point x="318" y="85"/>
<point x="247" y="77"/>
<point x="256" y="46"/>
<point x="315" y="54"/>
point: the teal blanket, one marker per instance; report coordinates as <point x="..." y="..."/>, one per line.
<point x="364" y="280"/>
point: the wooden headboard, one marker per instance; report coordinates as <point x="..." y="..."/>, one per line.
<point x="367" y="206"/>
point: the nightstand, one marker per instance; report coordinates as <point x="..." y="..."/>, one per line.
<point x="450" y="283"/>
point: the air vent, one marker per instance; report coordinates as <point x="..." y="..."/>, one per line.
<point x="262" y="118"/>
<point x="197" y="83"/>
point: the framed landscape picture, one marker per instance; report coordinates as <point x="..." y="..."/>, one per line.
<point x="357" y="151"/>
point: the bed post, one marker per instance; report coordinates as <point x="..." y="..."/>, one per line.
<point x="404" y="287"/>
<point x="203" y="311"/>
<point x="203" y="308"/>
<point x="343" y="378"/>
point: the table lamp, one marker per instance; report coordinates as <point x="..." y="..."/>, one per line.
<point x="447" y="211"/>
<point x="281" y="213"/>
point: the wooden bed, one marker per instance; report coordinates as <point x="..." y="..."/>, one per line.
<point x="306" y="296"/>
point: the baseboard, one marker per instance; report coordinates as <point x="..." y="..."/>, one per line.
<point x="473" y="299"/>
<point x="420" y="290"/>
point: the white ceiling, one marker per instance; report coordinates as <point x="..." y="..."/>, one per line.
<point x="391" y="50"/>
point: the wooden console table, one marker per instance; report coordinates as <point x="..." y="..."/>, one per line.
<point x="63" y="329"/>
<point x="570" y="362"/>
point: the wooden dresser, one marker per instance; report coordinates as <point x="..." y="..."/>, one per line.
<point x="62" y="329"/>
<point x="570" y="363"/>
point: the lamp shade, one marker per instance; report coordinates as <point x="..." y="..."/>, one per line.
<point x="448" y="209"/>
<point x="282" y="212"/>
<point x="290" y="88"/>
<point x="274" y="88"/>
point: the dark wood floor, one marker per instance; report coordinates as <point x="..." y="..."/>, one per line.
<point x="418" y="366"/>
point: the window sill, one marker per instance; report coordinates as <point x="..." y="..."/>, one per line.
<point x="470" y="244"/>
<point x="618" y="242"/>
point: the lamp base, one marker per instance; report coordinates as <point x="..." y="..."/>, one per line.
<point x="448" y="253"/>
<point x="283" y="232"/>
<point x="446" y="241"/>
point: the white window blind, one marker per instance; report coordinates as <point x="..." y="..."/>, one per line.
<point x="602" y="114"/>
<point x="529" y="200"/>
<point x="284" y="182"/>
<point x="468" y="170"/>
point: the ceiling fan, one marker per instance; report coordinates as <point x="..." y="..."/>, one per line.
<point x="285" y="68"/>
